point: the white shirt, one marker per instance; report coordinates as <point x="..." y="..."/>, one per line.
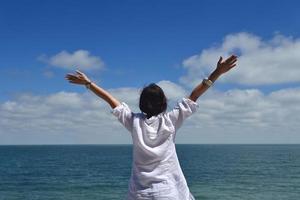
<point x="156" y="172"/>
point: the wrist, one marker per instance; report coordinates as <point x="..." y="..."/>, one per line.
<point x="214" y="75"/>
<point x="207" y="82"/>
<point x="88" y="84"/>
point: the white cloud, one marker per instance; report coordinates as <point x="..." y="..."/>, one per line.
<point x="128" y="95"/>
<point x="235" y="116"/>
<point x="172" y="90"/>
<point x="80" y="59"/>
<point x="260" y="61"/>
<point x="246" y="116"/>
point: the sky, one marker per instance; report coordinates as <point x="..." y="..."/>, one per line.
<point x="125" y="45"/>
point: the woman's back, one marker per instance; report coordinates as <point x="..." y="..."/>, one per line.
<point x="156" y="173"/>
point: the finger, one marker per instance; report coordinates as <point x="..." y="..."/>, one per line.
<point x="228" y="60"/>
<point x="79" y="72"/>
<point x="220" y="59"/>
<point x="73" y="81"/>
<point x="233" y="56"/>
<point x="232" y="66"/>
<point x="232" y="61"/>
<point x="67" y="77"/>
<point x="69" y="74"/>
<point x="71" y="77"/>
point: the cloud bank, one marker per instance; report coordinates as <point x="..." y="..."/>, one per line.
<point x="234" y="116"/>
<point x="261" y="62"/>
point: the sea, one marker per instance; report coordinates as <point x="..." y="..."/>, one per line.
<point x="91" y="172"/>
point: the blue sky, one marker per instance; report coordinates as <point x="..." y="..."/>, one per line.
<point x="138" y="41"/>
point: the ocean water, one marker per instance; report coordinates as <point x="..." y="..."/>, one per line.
<point x="90" y="172"/>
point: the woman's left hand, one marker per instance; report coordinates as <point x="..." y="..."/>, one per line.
<point x="225" y="66"/>
<point x="79" y="78"/>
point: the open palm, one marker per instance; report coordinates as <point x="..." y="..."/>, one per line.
<point x="78" y="78"/>
<point x="225" y="66"/>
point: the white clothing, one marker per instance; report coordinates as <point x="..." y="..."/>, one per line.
<point x="156" y="173"/>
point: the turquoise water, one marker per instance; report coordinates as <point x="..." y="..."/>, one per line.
<point x="260" y="172"/>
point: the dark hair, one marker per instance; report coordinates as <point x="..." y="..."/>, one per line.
<point x="153" y="100"/>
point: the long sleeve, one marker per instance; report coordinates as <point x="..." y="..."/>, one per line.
<point x="124" y="115"/>
<point x="181" y="111"/>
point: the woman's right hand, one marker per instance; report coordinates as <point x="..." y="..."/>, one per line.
<point x="79" y="78"/>
<point x="82" y="79"/>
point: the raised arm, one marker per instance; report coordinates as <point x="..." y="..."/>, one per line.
<point x="81" y="79"/>
<point x="222" y="67"/>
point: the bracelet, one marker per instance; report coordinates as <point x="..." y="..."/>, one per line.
<point x="88" y="84"/>
<point x="207" y="82"/>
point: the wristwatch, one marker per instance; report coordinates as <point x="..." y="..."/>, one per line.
<point x="207" y="82"/>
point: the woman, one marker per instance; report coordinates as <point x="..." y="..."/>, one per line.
<point x="156" y="172"/>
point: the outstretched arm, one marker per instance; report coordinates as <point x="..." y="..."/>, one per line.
<point x="222" y="67"/>
<point x="81" y="79"/>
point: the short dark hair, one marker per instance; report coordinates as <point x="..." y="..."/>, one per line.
<point x="152" y="100"/>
